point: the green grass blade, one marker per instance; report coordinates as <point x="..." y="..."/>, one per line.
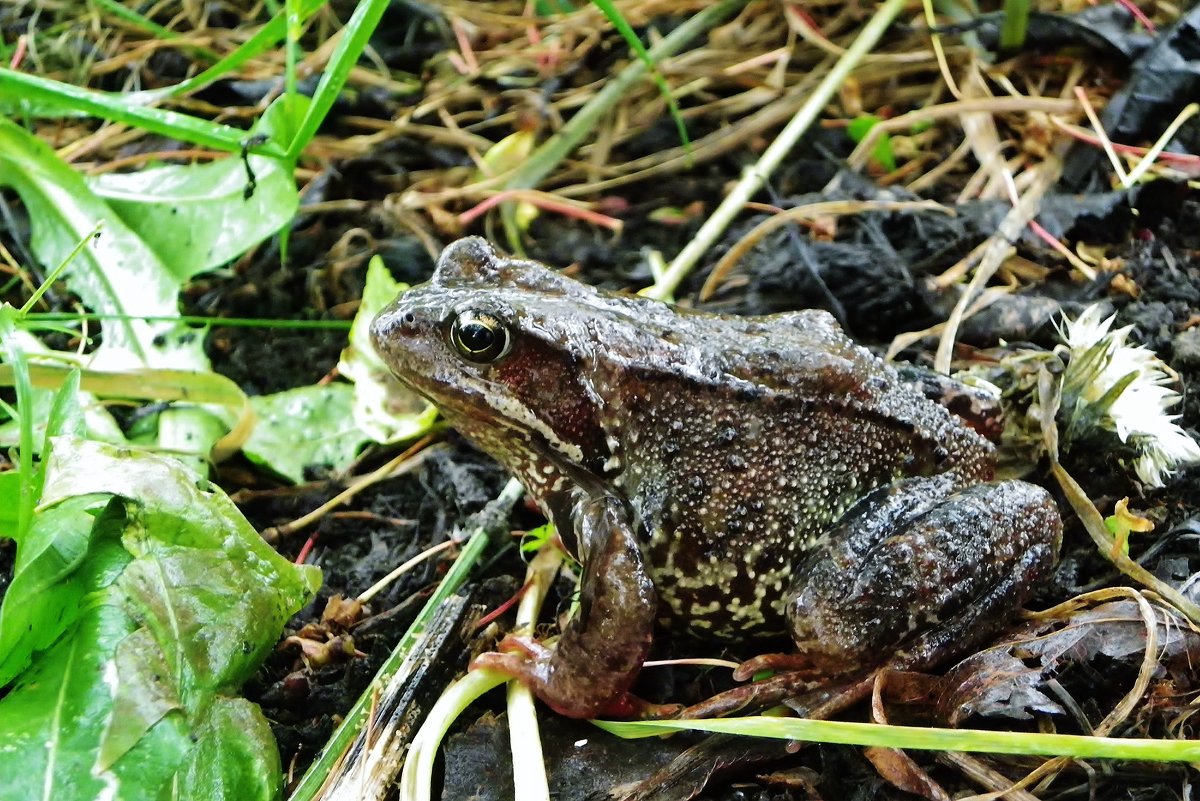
<point x="150" y="26"/>
<point x="31" y="89"/>
<point x="874" y="734"/>
<point x="1016" y="22"/>
<point x="627" y="33"/>
<point x="11" y="352"/>
<point x="263" y="39"/>
<point x="295" y="29"/>
<point x="557" y="147"/>
<point x="43" y="319"/>
<point x="354" y="40"/>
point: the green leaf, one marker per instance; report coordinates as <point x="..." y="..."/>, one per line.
<point x="881" y="153"/>
<point x="143" y="697"/>
<point x="65" y="417"/>
<point x="18" y="364"/>
<point x="196" y="217"/>
<point x="188" y="536"/>
<point x="384" y="408"/>
<point x="178" y="600"/>
<point x="235" y="755"/>
<point x="51" y="722"/>
<point x="533" y="541"/>
<point x="116" y="274"/>
<point x="303" y="427"/>
<point x="10" y="502"/>
<point x="47" y="587"/>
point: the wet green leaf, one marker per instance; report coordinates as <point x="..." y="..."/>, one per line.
<point x="307" y="426"/>
<point x="54" y="717"/>
<point x="196" y="217"/>
<point x="10" y="502"/>
<point x="115" y="274"/>
<point x="384" y="408"/>
<point x="149" y="600"/>
<point x="48" y="584"/>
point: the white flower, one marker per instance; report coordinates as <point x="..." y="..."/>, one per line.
<point x="1123" y="388"/>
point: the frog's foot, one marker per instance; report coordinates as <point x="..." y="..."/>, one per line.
<point x="521" y="657"/>
<point x="602" y="648"/>
<point x="531" y="663"/>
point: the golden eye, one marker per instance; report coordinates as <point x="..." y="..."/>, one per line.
<point x="479" y="336"/>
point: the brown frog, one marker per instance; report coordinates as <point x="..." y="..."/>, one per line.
<point x="742" y="476"/>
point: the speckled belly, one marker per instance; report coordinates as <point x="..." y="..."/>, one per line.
<point x="722" y="592"/>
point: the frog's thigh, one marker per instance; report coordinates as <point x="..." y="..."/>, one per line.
<point x="921" y="572"/>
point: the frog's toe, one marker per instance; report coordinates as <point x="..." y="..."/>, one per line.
<point x="524" y="644"/>
<point x="778" y="663"/>
<point x="518" y="655"/>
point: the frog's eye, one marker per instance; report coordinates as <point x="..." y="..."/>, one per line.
<point x="479" y="336"/>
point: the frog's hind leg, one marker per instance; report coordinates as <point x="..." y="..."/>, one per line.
<point x="919" y="572"/>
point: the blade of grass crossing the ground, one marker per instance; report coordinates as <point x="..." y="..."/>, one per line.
<point x="1016" y="23"/>
<point x="875" y="734"/>
<point x="150" y="26"/>
<point x="20" y="89"/>
<point x="551" y="152"/>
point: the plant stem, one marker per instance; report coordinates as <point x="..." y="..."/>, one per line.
<point x="352" y="726"/>
<point x="1093" y="523"/>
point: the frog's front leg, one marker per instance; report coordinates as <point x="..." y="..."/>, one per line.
<point x="919" y="572"/>
<point x="602" y="648"/>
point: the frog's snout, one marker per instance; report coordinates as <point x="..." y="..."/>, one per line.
<point x="393" y="328"/>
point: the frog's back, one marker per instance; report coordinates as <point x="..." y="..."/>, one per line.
<point x="736" y="474"/>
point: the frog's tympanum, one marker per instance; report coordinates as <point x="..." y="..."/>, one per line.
<point x="740" y="476"/>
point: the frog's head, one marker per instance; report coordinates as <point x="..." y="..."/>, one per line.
<point x="504" y="347"/>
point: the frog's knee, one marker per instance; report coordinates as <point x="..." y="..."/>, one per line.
<point x="872" y="589"/>
<point x="1022" y="514"/>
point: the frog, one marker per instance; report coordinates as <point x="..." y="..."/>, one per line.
<point x="745" y="478"/>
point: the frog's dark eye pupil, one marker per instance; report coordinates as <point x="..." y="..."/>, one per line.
<point x="478" y="336"/>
